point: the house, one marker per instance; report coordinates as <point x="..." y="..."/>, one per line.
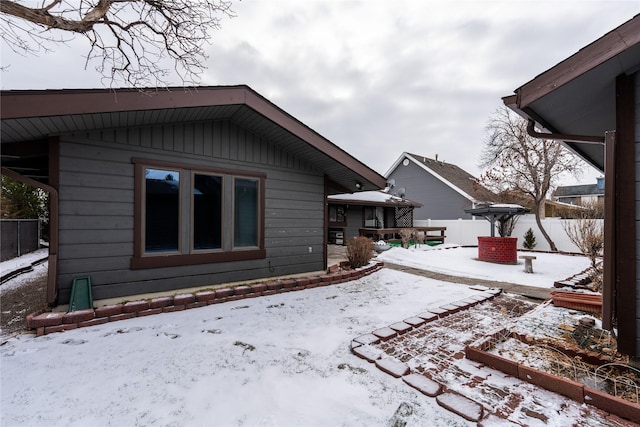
<point x="443" y="189"/>
<point x="174" y="188"/>
<point x="552" y="208"/>
<point x="589" y="102"/>
<point x="582" y="195"/>
<point x="372" y="209"/>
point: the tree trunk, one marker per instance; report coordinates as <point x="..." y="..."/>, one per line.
<point x="542" y="230"/>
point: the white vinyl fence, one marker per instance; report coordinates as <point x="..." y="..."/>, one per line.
<point x="466" y="231"/>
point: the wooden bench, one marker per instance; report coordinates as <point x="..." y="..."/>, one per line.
<point x="528" y="262"/>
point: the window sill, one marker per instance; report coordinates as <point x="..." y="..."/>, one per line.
<point x="194" y="259"/>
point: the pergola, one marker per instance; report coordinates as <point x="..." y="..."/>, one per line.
<point x="500" y="213"/>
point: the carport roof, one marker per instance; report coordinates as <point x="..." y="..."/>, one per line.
<point x="30" y="117"/>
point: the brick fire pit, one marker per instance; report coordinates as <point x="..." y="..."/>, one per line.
<point x="502" y="250"/>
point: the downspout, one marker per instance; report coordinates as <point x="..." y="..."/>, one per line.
<point x="608" y="291"/>
<point x="561" y="136"/>
<point x="52" y="289"/>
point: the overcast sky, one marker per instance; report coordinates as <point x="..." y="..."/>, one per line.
<point x="377" y="77"/>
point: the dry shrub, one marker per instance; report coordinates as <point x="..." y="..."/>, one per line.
<point x="359" y="251"/>
<point x="588" y="235"/>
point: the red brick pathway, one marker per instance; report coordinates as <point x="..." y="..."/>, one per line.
<point x="429" y="356"/>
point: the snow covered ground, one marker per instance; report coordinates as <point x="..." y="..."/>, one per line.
<point x="282" y="360"/>
<point x="462" y="261"/>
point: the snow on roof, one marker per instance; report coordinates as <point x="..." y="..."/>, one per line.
<point x="505" y="205"/>
<point x="375" y="196"/>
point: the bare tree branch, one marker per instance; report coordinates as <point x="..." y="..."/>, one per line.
<point x="128" y="39"/>
<point x="517" y="162"/>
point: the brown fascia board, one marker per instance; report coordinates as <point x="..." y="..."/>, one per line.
<point x="50" y="103"/>
<point x="47" y="103"/>
<point x="510" y="102"/>
<point x="589" y="57"/>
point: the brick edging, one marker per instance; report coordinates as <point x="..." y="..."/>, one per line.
<point x="360" y="347"/>
<point x="50" y="322"/>
<point x="566" y="387"/>
<point x="468" y="409"/>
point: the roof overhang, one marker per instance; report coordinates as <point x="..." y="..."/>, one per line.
<point x="30" y="118"/>
<point x="372" y="198"/>
<point x="577" y="96"/>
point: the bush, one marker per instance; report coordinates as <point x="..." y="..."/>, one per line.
<point x="359" y="251"/>
<point x="588" y="235"/>
<point x="529" y="239"/>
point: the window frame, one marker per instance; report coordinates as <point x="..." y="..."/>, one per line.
<point x="259" y="209"/>
<point x="144" y="213"/>
<point x="344" y="214"/>
<point x="188" y="255"/>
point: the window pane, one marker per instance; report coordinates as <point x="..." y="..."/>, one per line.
<point x="245" y="212"/>
<point x="207" y="212"/>
<point x="162" y="210"/>
<point x="336" y="214"/>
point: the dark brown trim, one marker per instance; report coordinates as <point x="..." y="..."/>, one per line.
<point x="141" y="260"/>
<point x="610" y="246"/>
<point x="49" y="103"/>
<point x="625" y="215"/>
<point x="325" y="240"/>
<point x="197" y="168"/>
<point x="588" y="139"/>
<point x="261" y="218"/>
<point x="586" y="59"/>
<point x="194" y="259"/>
<point x="54" y="219"/>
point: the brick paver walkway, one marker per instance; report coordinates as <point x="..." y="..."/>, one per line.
<point x="430" y="357"/>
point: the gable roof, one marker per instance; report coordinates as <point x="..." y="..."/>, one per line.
<point x="30" y="116"/>
<point x="577" y="96"/>
<point x="456" y="178"/>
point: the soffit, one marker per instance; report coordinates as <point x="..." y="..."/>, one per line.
<point x="32" y="115"/>
<point x="577" y="96"/>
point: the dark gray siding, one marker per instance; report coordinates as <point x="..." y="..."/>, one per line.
<point x="354" y="222"/>
<point x="438" y="199"/>
<point x="97" y="206"/>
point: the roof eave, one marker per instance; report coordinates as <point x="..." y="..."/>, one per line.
<point x="56" y="103"/>
<point x="608" y="46"/>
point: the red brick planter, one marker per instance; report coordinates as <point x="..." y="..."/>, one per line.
<point x="501" y="250"/>
<point x="591" y="303"/>
<point x="571" y="389"/>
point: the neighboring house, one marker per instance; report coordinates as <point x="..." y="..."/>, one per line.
<point x="552" y="209"/>
<point x="174" y="188"/>
<point x="372" y="209"/>
<point x="443" y="189"/>
<point x="590" y="103"/>
<point x="581" y="195"/>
